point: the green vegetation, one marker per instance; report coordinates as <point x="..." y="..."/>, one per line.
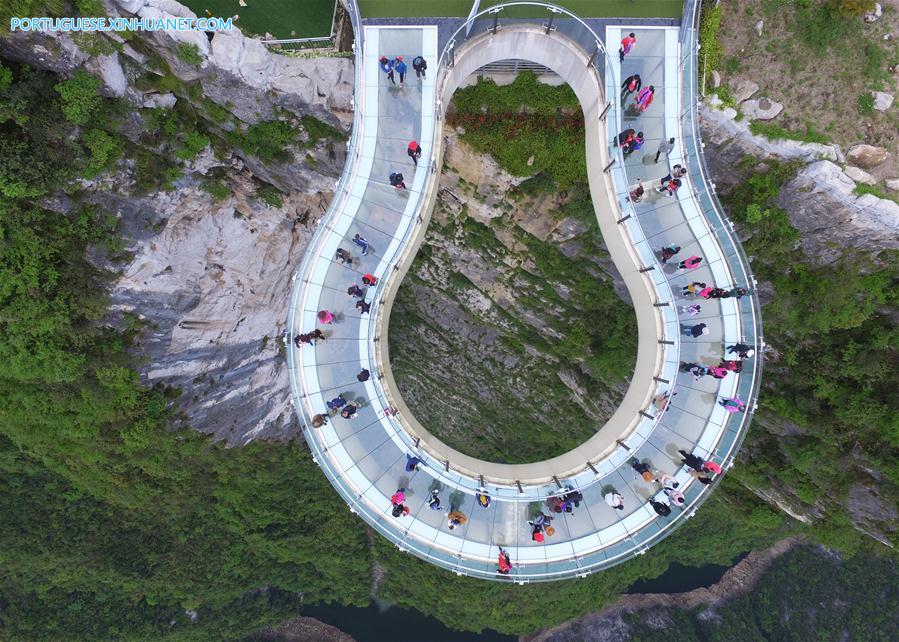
<point x="711" y="51"/>
<point x="114" y="522"/>
<point x="876" y="190"/>
<point x="189" y="53"/>
<point x="267" y="141"/>
<point x="581" y="8"/>
<point x="827" y="321"/>
<point x="80" y="100"/>
<point x="216" y="188"/>
<point x="281" y="18"/>
<point x="270" y="195"/>
<point x="805" y="595"/>
<point x="559" y="325"/>
<point x="773" y="131"/>
<point x="865" y="103"/>
<point x="550" y="129"/>
<point x="317" y="130"/>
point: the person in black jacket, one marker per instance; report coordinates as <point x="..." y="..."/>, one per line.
<point x="420" y="65"/>
<point x="630" y="85"/>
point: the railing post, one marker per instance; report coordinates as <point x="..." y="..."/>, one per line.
<point x="605" y="111"/>
<point x="452" y="52"/>
<point x="609" y="166"/>
<point x="552" y="16"/>
<point x="595" y="53"/>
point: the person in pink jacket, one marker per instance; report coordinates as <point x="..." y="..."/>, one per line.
<point x="690" y="264"/>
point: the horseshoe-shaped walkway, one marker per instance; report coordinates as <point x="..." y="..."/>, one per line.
<point x="366" y="456"/>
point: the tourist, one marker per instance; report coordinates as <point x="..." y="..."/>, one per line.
<point x="325" y="316"/>
<point x="661" y="508"/>
<point x="574" y="497"/>
<point x="742" y="350"/>
<point x="696" y="331"/>
<point x="336" y="403"/>
<point x="693" y="288"/>
<point x="401" y="68"/>
<point x="668" y="252"/>
<point x="434" y="500"/>
<point x="420" y="65"/>
<point x="554" y="503"/>
<point x="414" y="152"/>
<point x="731" y="365"/>
<point x="343" y="257"/>
<point x="733" y="404"/>
<point x="627" y="45"/>
<point x="711" y="467"/>
<point x="663" y="401"/>
<point x="665" y="147"/>
<point x="702" y="479"/>
<point x="387" y="68"/>
<point x="400" y="510"/>
<point x="369" y="280"/>
<point x="349" y="411"/>
<point x="396" y="180"/>
<point x="363" y="375"/>
<point x="692" y="461"/>
<point x="636" y="194"/>
<point x="629" y="86"/>
<point x="412" y="463"/>
<point x="670" y="188"/>
<point x="615" y="500"/>
<point x="361" y="242"/>
<point x="717" y="372"/>
<point x="667" y="481"/>
<point x="690" y="263"/>
<point x="644" y="98"/>
<point x="675" y="497"/>
<point x="355" y="291"/>
<point x="363" y="306"/>
<point x="625" y="137"/>
<point x="482" y="498"/>
<point x="692" y="309"/>
<point x="319" y="420"/>
<point x="644" y="469"/>
<point x="455" y="518"/>
<point x="635" y="143"/>
<point x="399" y="496"/>
<point x="695" y="369"/>
<point x="737" y="292"/>
<point x="309" y="337"/>
<point x="504" y="562"/>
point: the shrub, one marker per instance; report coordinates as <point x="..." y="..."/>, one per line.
<point x="194" y="143"/>
<point x="189" y="53"/>
<point x="270" y="195"/>
<point x="317" y="130"/>
<point x="267" y="141"/>
<point x="711" y="51"/>
<point x="217" y="189"/>
<point x="104" y="150"/>
<point x="79" y="97"/>
<point x="772" y="131"/>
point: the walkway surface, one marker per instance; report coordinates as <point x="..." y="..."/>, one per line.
<point x="366" y="456"/>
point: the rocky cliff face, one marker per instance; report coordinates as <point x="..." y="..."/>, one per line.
<point x="820" y="200"/>
<point x="210" y="280"/>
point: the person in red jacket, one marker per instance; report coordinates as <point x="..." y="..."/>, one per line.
<point x="414" y="151"/>
<point x="627" y="45"/>
<point x="504" y="562"/>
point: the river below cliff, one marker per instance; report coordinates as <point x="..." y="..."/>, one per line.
<point x="388" y="623"/>
<point x="680" y="579"/>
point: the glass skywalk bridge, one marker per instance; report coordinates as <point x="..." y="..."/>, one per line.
<point x="365" y="457"/>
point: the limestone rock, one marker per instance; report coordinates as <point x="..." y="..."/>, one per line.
<point x="160" y="101"/>
<point x="761" y="109"/>
<point x="866" y="156"/>
<point x="831" y="218"/>
<point x="714" y="101"/>
<point x="893" y="184"/>
<point x="110" y="72"/>
<point x="715" y="79"/>
<point x="730" y="141"/>
<point x="882" y="100"/>
<point x="742" y="89"/>
<point x="729" y="113"/>
<point x="873" y="16"/>
<point x="759" y="26"/>
<point x="860" y="175"/>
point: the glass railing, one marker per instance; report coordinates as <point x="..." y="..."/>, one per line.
<point x="642" y="529"/>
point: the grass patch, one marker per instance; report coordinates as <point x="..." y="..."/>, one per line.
<point x="773" y="131"/>
<point x="862" y="189"/>
<point x="865" y="103"/>
<point x="281" y="18"/>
